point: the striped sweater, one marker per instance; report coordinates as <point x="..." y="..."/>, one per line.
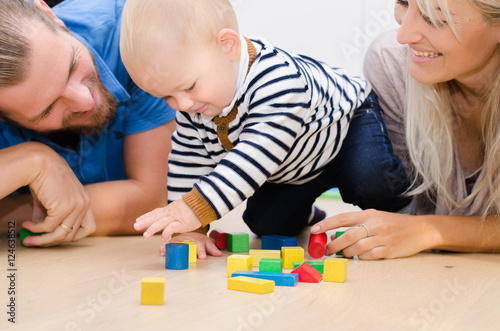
<point x="293" y="113"/>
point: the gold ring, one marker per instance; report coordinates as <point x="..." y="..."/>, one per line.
<point x="66" y="228"/>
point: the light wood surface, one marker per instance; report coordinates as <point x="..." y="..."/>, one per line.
<point x="94" y="284"/>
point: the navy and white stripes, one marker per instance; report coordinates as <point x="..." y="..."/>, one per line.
<point x="293" y="113"/>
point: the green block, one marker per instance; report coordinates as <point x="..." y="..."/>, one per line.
<point x="338" y="234"/>
<point x="238" y="242"/>
<point x="318" y="265"/>
<point x="271" y="265"/>
<point x="23" y="233"/>
<point x="332" y="193"/>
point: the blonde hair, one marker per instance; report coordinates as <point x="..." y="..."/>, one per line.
<point x="146" y="24"/>
<point x="430" y="119"/>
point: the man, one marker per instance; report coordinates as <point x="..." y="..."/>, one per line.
<point x="70" y="91"/>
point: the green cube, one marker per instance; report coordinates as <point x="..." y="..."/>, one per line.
<point x="338" y="234"/>
<point x="23" y="233"/>
<point x="271" y="265"/>
<point x="318" y="265"/>
<point x="238" y="242"/>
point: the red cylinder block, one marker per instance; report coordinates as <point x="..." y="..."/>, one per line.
<point x="317" y="245"/>
<point x="220" y="238"/>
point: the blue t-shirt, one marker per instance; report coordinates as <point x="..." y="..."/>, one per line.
<point x="99" y="158"/>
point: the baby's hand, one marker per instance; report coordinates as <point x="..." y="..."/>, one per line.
<point x="177" y="217"/>
<point x="204" y="244"/>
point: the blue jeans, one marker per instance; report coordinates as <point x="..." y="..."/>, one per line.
<point x="366" y="172"/>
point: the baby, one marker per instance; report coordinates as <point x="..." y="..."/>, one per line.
<point x="254" y="122"/>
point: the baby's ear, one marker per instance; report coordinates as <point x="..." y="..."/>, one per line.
<point x="230" y="41"/>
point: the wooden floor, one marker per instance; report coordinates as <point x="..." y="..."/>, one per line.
<point x="94" y="284"/>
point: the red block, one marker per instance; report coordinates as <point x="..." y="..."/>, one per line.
<point x="307" y="274"/>
<point x="317" y="245"/>
<point x="220" y="238"/>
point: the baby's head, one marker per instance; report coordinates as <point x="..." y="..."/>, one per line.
<point x="166" y="44"/>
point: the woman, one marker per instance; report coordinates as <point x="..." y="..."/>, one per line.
<point x="450" y="139"/>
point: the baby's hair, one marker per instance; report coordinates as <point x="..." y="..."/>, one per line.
<point x="147" y="24"/>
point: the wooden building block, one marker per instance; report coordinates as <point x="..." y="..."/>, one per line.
<point x="335" y="270"/>
<point x="152" y="291"/>
<point x="238" y="242"/>
<point x="23" y="233"/>
<point x="220" y="238"/>
<point x="317" y="245"/>
<point x="258" y="254"/>
<point x="275" y="241"/>
<point x="280" y="279"/>
<point x="193" y="251"/>
<point x="307" y="274"/>
<point x="318" y="265"/>
<point x="250" y="284"/>
<point x="338" y="234"/>
<point x="271" y="265"/>
<point x="238" y="262"/>
<point x="176" y="256"/>
<point x="290" y="255"/>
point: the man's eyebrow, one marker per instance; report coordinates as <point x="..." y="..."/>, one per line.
<point x="72" y="67"/>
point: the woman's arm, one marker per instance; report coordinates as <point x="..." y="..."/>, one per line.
<point x="392" y="235"/>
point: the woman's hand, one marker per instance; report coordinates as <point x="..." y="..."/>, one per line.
<point x="387" y="235"/>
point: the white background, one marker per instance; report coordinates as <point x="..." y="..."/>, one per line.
<point x="337" y="32"/>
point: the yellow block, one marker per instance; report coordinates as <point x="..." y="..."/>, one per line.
<point x="193" y="251"/>
<point x="259" y="254"/>
<point x="152" y="290"/>
<point x="335" y="270"/>
<point x="291" y="254"/>
<point x="250" y="284"/>
<point x="238" y="262"/>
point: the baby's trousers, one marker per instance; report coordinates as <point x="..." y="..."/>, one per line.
<point x="366" y="172"/>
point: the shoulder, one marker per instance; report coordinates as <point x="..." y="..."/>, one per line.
<point x="385" y="57"/>
<point x="85" y="17"/>
<point x="385" y="67"/>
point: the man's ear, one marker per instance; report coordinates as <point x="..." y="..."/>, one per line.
<point x="230" y="41"/>
<point x="41" y="5"/>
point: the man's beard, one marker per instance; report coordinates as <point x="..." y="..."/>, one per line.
<point x="104" y="113"/>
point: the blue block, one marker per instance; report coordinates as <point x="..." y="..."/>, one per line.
<point x="275" y="241"/>
<point x="176" y="256"/>
<point x="280" y="279"/>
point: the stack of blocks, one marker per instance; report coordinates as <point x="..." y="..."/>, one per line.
<point x="277" y="252"/>
<point x="241" y="277"/>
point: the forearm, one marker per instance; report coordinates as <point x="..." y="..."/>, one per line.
<point x="117" y="204"/>
<point x="463" y="233"/>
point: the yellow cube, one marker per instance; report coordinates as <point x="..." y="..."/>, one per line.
<point x="193" y="251"/>
<point x="259" y="254"/>
<point x="290" y="255"/>
<point x="152" y="291"/>
<point x="335" y="270"/>
<point x="237" y="262"/>
<point x="250" y="284"/>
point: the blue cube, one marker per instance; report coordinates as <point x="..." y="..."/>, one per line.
<point x="276" y="241"/>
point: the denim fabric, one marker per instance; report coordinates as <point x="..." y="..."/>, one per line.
<point x="366" y="171"/>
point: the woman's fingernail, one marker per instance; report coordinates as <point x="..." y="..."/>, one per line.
<point x="315" y="228"/>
